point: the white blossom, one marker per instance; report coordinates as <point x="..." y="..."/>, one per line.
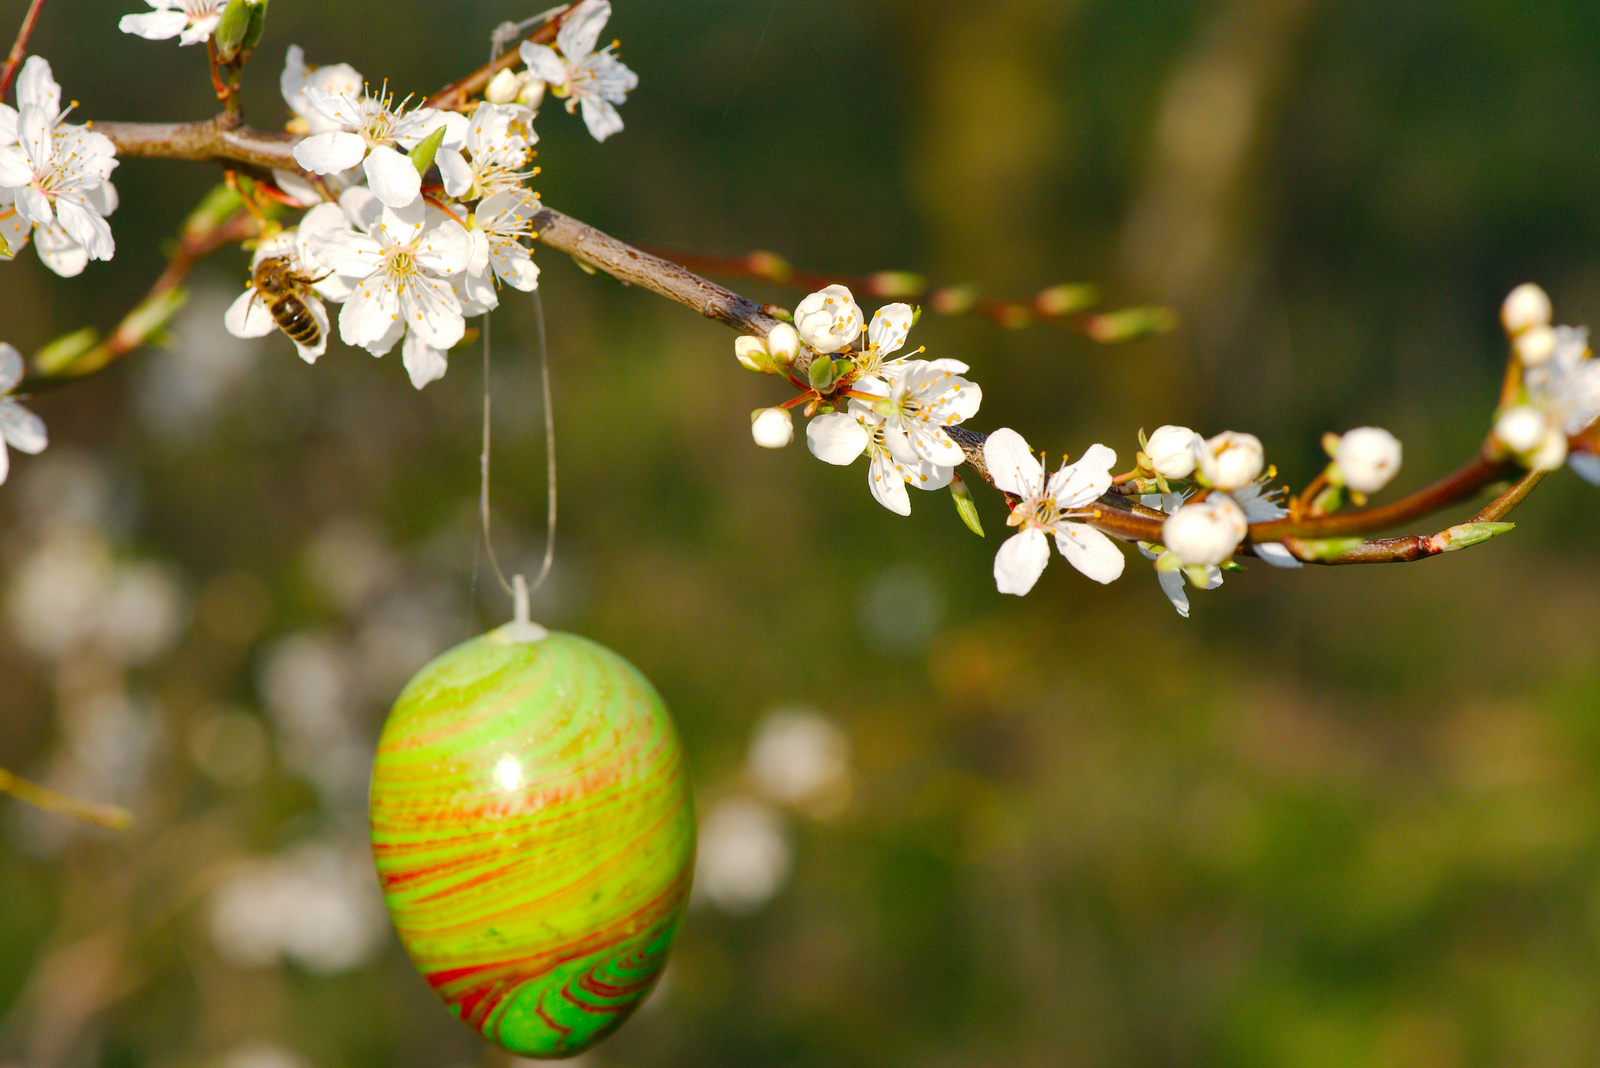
<point x="1048" y="505"/>
<point x="828" y="320"/>
<point x="1562" y="394"/>
<point x="1171" y="451"/>
<point x="595" y="80"/>
<point x="1526" y="306"/>
<point x="924" y="398"/>
<point x="19" y="428"/>
<point x="772" y="428"/>
<point x="494" y="150"/>
<point x="1171" y="579"/>
<point x="1206" y="532"/>
<point x="886" y="335"/>
<point x="54" y="175"/>
<point x="840" y="437"/>
<point x="401" y="267"/>
<point x="1367" y="458"/>
<point x="367" y="130"/>
<point x="504" y="219"/>
<point x="339" y="79"/>
<point x="190" y="21"/>
<point x="1229" y="460"/>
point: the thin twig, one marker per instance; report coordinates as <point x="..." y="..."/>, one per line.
<point x="454" y="96"/>
<point x="111" y="816"/>
<point x="19" y="48"/>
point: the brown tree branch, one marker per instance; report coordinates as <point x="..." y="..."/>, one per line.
<point x="633" y="266"/>
<point x="19" y="47"/>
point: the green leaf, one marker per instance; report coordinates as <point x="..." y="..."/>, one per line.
<point x="1465" y="535"/>
<point x="232" y="29"/>
<point x="258" y="26"/>
<point x="966" y="507"/>
<point x="422" y="155"/>
<point x="65" y="351"/>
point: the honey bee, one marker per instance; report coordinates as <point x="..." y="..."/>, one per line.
<point x="284" y="290"/>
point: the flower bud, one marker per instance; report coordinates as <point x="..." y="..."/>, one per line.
<point x="1206" y="532"/>
<point x="1230" y="460"/>
<point x="752" y="353"/>
<point x="503" y="87"/>
<point x="1521" y="429"/>
<point x="784" y="344"/>
<point x="1170" y="451"/>
<point x="1367" y="458"/>
<point x="1535" y="345"/>
<point x="772" y="428"/>
<point x="1551" y="453"/>
<point x="1527" y="306"/>
<point x="531" y="95"/>
<point x="828" y="320"/>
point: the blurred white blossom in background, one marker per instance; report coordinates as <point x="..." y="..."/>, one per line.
<point x="743" y="856"/>
<point x="317" y="905"/>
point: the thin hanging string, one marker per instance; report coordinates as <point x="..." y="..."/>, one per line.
<point x="519" y="593"/>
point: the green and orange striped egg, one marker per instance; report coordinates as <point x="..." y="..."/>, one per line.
<point x="534" y="835"/>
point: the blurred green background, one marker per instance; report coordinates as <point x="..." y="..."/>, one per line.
<point x="1341" y="817"/>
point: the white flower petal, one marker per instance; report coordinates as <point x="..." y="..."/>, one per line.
<point x="59" y="252"/>
<point x="11" y="367"/>
<point x="1586" y="465"/>
<point x="1090" y="551"/>
<point x="1012" y="464"/>
<point x="22" y="428"/>
<point x="601" y="118"/>
<point x="1172" y="585"/>
<point x="1020" y="561"/>
<point x="423" y="363"/>
<point x="543" y="62"/>
<point x="837" y="438"/>
<point x="331" y="152"/>
<point x="369" y="315"/>
<point x="1077" y="484"/>
<point x="248" y="316"/>
<point x="887" y="484"/>
<point x="1278" y="556"/>
<point x="154" y="25"/>
<point x="445" y="249"/>
<point x="86" y="228"/>
<point x="889" y="327"/>
<point x="392" y="176"/>
<point x="432" y="311"/>
<point x="578" y="35"/>
<point x="200" y="31"/>
<point x="37" y="86"/>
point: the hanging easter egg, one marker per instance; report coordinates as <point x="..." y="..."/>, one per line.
<point x="534" y="835"/>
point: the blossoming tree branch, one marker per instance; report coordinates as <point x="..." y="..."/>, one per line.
<point x="414" y="219"/>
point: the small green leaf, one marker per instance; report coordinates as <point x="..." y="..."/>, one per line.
<point x="966" y="507"/>
<point x="258" y="26"/>
<point x="232" y="29"/>
<point x="65" y="351"/>
<point x="1465" y="535"/>
<point x="422" y="155"/>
